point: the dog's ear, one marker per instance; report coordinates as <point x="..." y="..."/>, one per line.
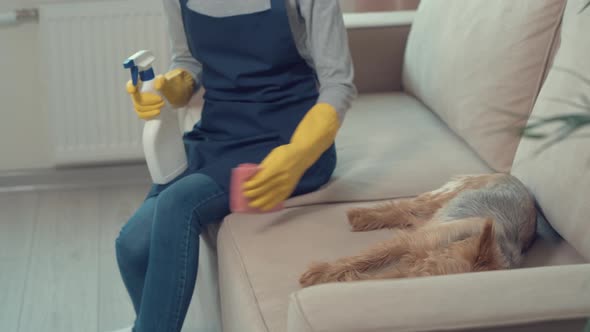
<point x="487" y="258"/>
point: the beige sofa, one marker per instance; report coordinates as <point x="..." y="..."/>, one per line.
<point x="430" y="107"/>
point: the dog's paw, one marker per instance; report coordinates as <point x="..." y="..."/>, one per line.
<point x="316" y="274"/>
<point x="361" y="219"/>
<point x="321" y="273"/>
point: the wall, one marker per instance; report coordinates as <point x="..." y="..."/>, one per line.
<point x="23" y="135"/>
<point x="377" y="5"/>
<point x="24" y="138"/>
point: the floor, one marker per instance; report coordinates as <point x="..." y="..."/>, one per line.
<point x="57" y="262"/>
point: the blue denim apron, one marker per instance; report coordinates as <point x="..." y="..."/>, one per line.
<point x="257" y="90"/>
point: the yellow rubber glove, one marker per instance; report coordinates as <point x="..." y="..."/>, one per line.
<point x="283" y="168"/>
<point x="177" y="87"/>
<point x="147" y="105"/>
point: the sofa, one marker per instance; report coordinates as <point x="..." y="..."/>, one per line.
<point x="440" y="92"/>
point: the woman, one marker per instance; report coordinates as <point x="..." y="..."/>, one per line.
<point x="278" y="79"/>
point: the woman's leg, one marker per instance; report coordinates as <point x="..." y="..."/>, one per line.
<point x="182" y="211"/>
<point x="132" y="247"/>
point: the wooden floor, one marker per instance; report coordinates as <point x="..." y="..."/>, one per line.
<point x="57" y="261"/>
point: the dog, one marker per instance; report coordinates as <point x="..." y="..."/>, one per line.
<point x="472" y="223"/>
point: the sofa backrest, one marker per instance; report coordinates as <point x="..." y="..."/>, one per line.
<point x="559" y="175"/>
<point x="479" y="65"/>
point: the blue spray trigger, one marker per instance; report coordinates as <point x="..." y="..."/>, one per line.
<point x="134" y="74"/>
<point x="130" y="64"/>
<point x="140" y="65"/>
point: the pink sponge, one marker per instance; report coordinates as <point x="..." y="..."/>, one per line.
<point x="239" y="203"/>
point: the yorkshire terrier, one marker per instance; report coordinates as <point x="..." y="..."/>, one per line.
<point x="472" y="223"/>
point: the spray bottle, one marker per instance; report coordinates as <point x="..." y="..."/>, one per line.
<point x="162" y="137"/>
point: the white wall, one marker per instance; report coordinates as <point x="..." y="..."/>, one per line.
<point x="377" y="5"/>
<point x="23" y="134"/>
<point x="24" y="138"/>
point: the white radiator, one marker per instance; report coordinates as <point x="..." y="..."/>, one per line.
<point x="83" y="49"/>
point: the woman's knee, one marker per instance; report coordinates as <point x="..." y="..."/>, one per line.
<point x="193" y="198"/>
<point x="174" y="213"/>
<point x="132" y="244"/>
<point x="131" y="252"/>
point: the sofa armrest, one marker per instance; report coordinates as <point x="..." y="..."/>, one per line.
<point x="549" y="296"/>
<point x="377" y="44"/>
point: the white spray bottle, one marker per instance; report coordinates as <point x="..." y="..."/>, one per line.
<point x="162" y="137"/>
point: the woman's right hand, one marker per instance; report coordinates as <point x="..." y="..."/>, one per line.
<point x="147" y="105"/>
<point x="176" y="86"/>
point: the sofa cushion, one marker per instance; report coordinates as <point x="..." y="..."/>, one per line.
<point x="391" y="145"/>
<point x="262" y="256"/>
<point x="547" y="299"/>
<point x="472" y="61"/>
<point x="559" y="176"/>
<point x="550" y="248"/>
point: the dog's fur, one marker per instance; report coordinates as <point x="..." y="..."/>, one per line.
<point x="472" y="223"/>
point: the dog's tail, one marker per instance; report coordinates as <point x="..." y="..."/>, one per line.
<point x="488" y="256"/>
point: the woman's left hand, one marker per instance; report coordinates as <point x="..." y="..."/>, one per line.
<point x="284" y="166"/>
<point x="280" y="173"/>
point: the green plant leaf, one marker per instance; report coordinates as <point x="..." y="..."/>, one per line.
<point x="570" y="123"/>
<point x="567" y="118"/>
<point x="567" y="124"/>
<point x="531" y="135"/>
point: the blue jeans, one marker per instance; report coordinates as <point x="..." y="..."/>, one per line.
<point x="158" y="250"/>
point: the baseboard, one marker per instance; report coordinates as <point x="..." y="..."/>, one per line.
<point x="379" y="19"/>
<point x="78" y="177"/>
